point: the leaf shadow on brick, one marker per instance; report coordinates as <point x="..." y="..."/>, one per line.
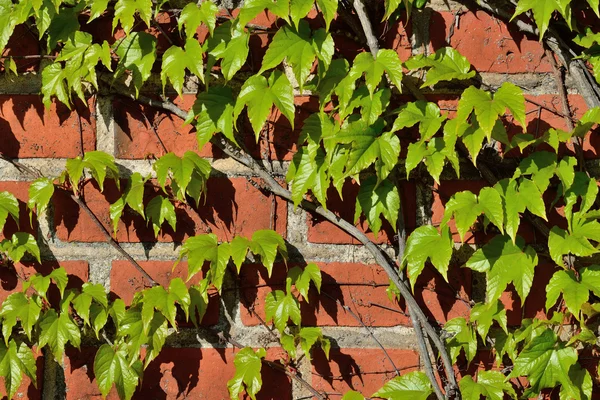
<point x="186" y="373"/>
<point x="10" y="144"/>
<point x="220" y="200"/>
<point x="432" y="288"/>
<point x="347" y="365"/>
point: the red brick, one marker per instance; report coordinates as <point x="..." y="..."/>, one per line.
<point x="233" y="207"/>
<point x="126" y="280"/>
<point x="135" y="137"/>
<point x="443" y="300"/>
<point x="322" y="231"/>
<point x="177" y="373"/>
<point x="27" y="390"/>
<point x="400" y="39"/>
<point x="488" y="44"/>
<point x="28" y="130"/>
<point x="363" y="370"/>
<point x="21" y="191"/>
<point x="77" y="271"/>
<point x="357" y="286"/>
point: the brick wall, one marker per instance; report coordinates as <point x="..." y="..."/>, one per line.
<point x="194" y="364"/>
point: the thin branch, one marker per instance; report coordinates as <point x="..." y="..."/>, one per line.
<point x="372" y="42"/>
<point x="562" y="91"/>
<point x="360" y="321"/>
<point x="110" y="239"/>
<point x="276" y="366"/>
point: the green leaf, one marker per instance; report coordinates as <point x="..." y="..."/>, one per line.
<point x="369" y="147"/>
<point x="260" y="95"/>
<point x="414" y="386"/>
<point x="125" y="11"/>
<point x="213" y="113"/>
<point x="427" y="243"/>
<point x="376" y="200"/>
<point x="560" y="242"/>
<point x="541" y="165"/>
<point x="582" y="384"/>
<point x="504" y="262"/>
<point x="114" y="367"/>
<point x="546" y="363"/>
<point x="9" y="205"/>
<point x="82" y="303"/>
<point x="518" y="197"/>
<point x="267" y="243"/>
<point x="18" y="307"/>
<point x="308" y="171"/>
<point x="280" y="308"/>
<point x="183" y="170"/>
<point x="14" y="361"/>
<point x="53" y="84"/>
<point x="58" y="330"/>
<point x="353" y="395"/>
<point x="445" y="64"/>
<point x="247" y="373"/>
<point x="387" y="61"/>
<point x="488" y="108"/>
<point x="299" y="47"/>
<point x="193" y="15"/>
<point x="137" y="53"/>
<point x="239" y="250"/>
<point x="329" y="9"/>
<point x="299" y="9"/>
<point x="40" y="193"/>
<point x="230" y="45"/>
<point x="100" y="164"/>
<point x="310" y="337"/>
<point x="164" y="301"/>
<point x="19" y="244"/>
<point x="427" y="115"/>
<point x="490" y="384"/>
<point x="575" y="291"/>
<point x="462" y="337"/>
<point x="466" y="207"/>
<point x="485" y="315"/>
<point x="543" y="11"/>
<point x="301" y="278"/>
<point x="176" y="60"/>
<point x="198" y="301"/>
<point x="199" y="249"/>
<point x="159" y="210"/>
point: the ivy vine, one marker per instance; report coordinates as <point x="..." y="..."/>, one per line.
<point x="355" y="135"/>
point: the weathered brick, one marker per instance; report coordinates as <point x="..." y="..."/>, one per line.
<point x="77" y="271"/>
<point x="363" y="370"/>
<point x="488" y="44"/>
<point x="177" y="373"/>
<point x="233" y="207"/>
<point x="322" y="231"/>
<point x="28" y="130"/>
<point x="126" y="280"/>
<point x="358" y="286"/>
